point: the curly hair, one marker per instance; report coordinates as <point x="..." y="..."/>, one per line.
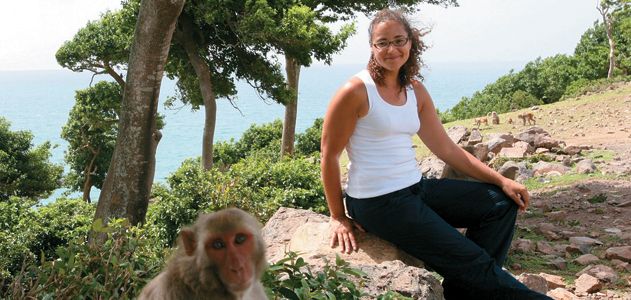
<point x="411" y="68"/>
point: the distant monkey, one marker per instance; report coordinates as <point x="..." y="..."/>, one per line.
<point x="222" y="256"/>
<point x="495" y="119"/>
<point x="479" y="121"/>
<point x="510" y="120"/>
<point x="530" y="117"/>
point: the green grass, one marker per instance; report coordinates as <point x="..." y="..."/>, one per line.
<point x="534" y="183"/>
<point x="599" y="154"/>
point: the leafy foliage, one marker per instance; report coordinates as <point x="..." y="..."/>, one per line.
<point x="308" y="143"/>
<point x="292" y="278"/>
<point x="91" y="133"/>
<point x="25" y="171"/>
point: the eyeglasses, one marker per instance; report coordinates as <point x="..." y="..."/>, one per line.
<point x="398" y="42"/>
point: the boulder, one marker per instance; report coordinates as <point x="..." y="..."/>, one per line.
<point x="572" y="150"/>
<point x="602" y="272"/>
<point x="585" y="166"/>
<point x="387" y="267"/>
<point x="518" y="150"/>
<point x="554" y="281"/>
<point x="457" y="133"/>
<point x="523" y="246"/>
<point x="586" y="259"/>
<point x="534" y="282"/>
<point x="481" y="152"/>
<point x="561" y="294"/>
<point x="433" y="167"/>
<point x="475" y="137"/>
<point x="621" y="253"/>
<point x="496" y="144"/>
<point x="509" y="169"/>
<point x="543" y="168"/>
<point x="544" y="141"/>
<point x="584" y="240"/>
<point x="587" y="284"/>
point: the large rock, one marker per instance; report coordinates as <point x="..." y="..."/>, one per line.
<point x="602" y="272"/>
<point x="307" y="233"/>
<point x="586" y="259"/>
<point x="475" y="137"/>
<point x="544" y="141"/>
<point x="534" y="282"/>
<point x="457" y="133"/>
<point x="481" y="152"/>
<point x="496" y="144"/>
<point x="584" y="240"/>
<point x="561" y="294"/>
<point x="529" y="135"/>
<point x="543" y="168"/>
<point x="554" y="281"/>
<point x="585" y="166"/>
<point x="509" y="169"/>
<point x="587" y="284"/>
<point x="621" y="253"/>
<point x="433" y="167"/>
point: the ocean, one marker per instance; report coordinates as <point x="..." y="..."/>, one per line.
<point x="39" y="101"/>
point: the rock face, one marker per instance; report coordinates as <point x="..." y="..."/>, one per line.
<point x="388" y="268"/>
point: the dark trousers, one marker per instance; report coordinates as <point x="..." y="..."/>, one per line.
<point x="421" y="220"/>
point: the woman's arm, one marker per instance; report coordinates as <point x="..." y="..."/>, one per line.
<point x="433" y="134"/>
<point x="346" y="107"/>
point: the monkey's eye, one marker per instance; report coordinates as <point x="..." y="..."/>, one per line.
<point x="218" y="244"/>
<point x="240" y="238"/>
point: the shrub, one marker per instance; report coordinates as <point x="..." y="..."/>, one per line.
<point x="308" y="143"/>
<point x="25" y="171"/>
<point x="115" y="269"/>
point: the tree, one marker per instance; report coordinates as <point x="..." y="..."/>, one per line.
<point x="126" y="189"/>
<point x="25" y="171"/>
<point x="91" y="134"/>
<point x="606" y="9"/>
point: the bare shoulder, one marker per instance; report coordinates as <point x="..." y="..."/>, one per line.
<point x="352" y="96"/>
<point x="422" y="96"/>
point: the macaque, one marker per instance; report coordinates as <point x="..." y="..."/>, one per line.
<point x="510" y="120"/>
<point x="478" y="121"/>
<point x="495" y="119"/>
<point x="221" y="256"/>
<point x="530" y="117"/>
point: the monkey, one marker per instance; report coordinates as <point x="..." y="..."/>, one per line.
<point x="510" y="120"/>
<point x="221" y="256"/>
<point x="482" y="120"/>
<point x="530" y="117"/>
<point x="495" y="119"/>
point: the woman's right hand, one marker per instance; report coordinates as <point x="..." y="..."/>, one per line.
<point x="342" y="233"/>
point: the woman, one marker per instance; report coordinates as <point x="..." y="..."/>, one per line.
<point x="374" y="116"/>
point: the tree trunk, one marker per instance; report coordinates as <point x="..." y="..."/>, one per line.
<point x="125" y="192"/>
<point x="87" y="181"/>
<point x="185" y="35"/>
<point x="608" y="23"/>
<point x="292" y="70"/>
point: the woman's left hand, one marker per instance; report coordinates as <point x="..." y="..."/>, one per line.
<point x="517" y="192"/>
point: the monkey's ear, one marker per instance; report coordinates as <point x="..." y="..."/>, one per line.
<point x="188" y="240"/>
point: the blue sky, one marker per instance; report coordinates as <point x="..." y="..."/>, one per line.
<point x="478" y="31"/>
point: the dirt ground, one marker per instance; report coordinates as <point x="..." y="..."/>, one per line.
<point x="600" y="207"/>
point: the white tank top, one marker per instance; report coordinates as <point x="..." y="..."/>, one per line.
<point x="380" y="151"/>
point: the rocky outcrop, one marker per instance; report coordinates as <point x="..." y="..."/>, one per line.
<point x="387" y="268"/>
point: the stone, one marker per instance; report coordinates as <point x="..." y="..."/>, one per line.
<point x="561" y="294"/>
<point x="557" y="263"/>
<point x="496" y="144"/>
<point x="534" y="282"/>
<point x="586" y="259"/>
<point x="572" y="150"/>
<point x="585" y="166"/>
<point x="554" y="281"/>
<point x="509" y="169"/>
<point x="475" y="137"/>
<point x="523" y="246"/>
<point x="544" y="141"/>
<point x="546" y="248"/>
<point x="387" y="267"/>
<point x="584" y="240"/>
<point x="587" y="284"/>
<point x="621" y="253"/>
<point x="543" y="168"/>
<point x="541" y="150"/>
<point x="575" y="249"/>
<point x="548" y="230"/>
<point x="613" y="230"/>
<point x="519" y="150"/>
<point x="602" y="272"/>
<point x="621" y="265"/>
<point x="457" y="133"/>
<point x="433" y="167"/>
<point x="481" y="152"/>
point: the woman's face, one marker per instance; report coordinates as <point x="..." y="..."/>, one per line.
<point x="389" y="33"/>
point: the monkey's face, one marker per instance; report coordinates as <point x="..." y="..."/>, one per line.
<point x="233" y="253"/>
